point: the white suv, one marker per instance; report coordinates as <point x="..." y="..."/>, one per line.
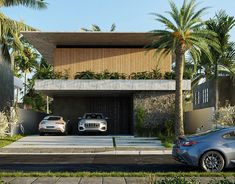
<point x="92" y="122"/>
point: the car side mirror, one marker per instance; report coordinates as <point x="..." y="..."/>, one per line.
<point x="79" y="118"/>
<point x="106" y="118"/>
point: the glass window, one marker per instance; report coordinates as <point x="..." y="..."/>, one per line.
<point x="54" y="118"/>
<point x="230" y="135"/>
<point x="198" y="97"/>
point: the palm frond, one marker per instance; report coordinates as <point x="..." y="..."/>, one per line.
<point x="37" y="4"/>
<point x="113" y="27"/>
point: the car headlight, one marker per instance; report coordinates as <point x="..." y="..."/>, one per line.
<point x="104" y="123"/>
<point x="42" y="122"/>
<point x="81" y="123"/>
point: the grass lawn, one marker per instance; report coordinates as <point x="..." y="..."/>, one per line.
<point x="4" y="141"/>
<point x="115" y="174"/>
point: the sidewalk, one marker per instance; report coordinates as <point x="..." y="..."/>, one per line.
<point x="92" y="180"/>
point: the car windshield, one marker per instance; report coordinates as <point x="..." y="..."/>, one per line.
<point x="93" y="116"/>
<point x="53" y="118"/>
<point x="206" y="132"/>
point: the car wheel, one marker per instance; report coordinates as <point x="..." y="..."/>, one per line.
<point x="212" y="161"/>
<point x="42" y="134"/>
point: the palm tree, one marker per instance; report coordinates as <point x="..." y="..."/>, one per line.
<point x="10" y="29"/>
<point x="224" y="58"/>
<point x="96" y="28"/>
<point x="182" y="35"/>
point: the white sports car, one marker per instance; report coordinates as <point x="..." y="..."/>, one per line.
<point x="52" y="124"/>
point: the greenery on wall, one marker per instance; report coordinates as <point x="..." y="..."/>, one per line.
<point x="145" y="75"/>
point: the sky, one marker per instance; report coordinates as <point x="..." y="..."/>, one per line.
<point x="128" y="15"/>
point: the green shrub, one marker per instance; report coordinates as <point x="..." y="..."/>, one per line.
<point x="225" y="116"/>
<point x="110" y="75"/>
<point x="85" y="75"/>
<point x="140" y="116"/>
<point x="177" y="180"/>
<point x="60" y="75"/>
<point x="169" y="75"/>
<point x="156" y="74"/>
<point x="222" y="181"/>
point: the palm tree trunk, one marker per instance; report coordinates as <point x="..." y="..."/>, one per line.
<point x="216" y="87"/>
<point x="179" y="126"/>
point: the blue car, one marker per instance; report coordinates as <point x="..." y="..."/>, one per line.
<point x="213" y="150"/>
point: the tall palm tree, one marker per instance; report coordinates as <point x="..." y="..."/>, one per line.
<point x="10" y="29"/>
<point x="182" y="34"/>
<point x="96" y="28"/>
<point x="224" y="58"/>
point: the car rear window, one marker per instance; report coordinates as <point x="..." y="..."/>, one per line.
<point x="93" y="116"/>
<point x="54" y="118"/>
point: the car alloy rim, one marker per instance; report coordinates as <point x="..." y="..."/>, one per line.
<point x="213" y="162"/>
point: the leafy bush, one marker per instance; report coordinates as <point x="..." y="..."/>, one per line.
<point x="223" y="181"/>
<point x="85" y="75"/>
<point x="177" y="180"/>
<point x="169" y="75"/>
<point x="225" y="116"/>
<point x="155" y="74"/>
<point x="140" y="116"/>
<point x="100" y="76"/>
<point x="110" y="75"/>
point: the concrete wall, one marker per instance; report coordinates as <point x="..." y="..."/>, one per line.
<point x="6" y="85"/>
<point x="30" y="120"/>
<point x="198" y="118"/>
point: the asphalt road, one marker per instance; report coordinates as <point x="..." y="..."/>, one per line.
<point x="92" y="163"/>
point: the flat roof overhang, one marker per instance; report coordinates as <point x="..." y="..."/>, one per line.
<point x="46" y="42"/>
<point x="104" y="87"/>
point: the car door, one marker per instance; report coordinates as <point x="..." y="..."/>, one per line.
<point x="230" y="143"/>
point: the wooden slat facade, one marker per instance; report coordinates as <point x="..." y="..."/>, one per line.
<point x="122" y="60"/>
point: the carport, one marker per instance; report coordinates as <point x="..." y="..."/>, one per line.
<point x="114" y="98"/>
<point x="116" y="106"/>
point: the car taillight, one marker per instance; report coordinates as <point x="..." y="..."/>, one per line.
<point x="188" y="143"/>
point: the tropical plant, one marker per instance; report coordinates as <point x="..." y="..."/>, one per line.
<point x="85" y="75"/>
<point x="223" y="58"/>
<point x="140" y="116"/>
<point x="225" y="116"/>
<point x="10" y="29"/>
<point x="182" y="35"/>
<point x="96" y="28"/>
<point x="25" y="61"/>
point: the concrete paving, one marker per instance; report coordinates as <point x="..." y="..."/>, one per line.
<point x="95" y="180"/>
<point x="72" y="143"/>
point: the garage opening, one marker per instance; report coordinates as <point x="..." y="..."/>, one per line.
<point x="119" y="110"/>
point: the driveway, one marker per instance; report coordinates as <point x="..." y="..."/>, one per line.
<point x="109" y="142"/>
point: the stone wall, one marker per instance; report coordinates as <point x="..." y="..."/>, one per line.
<point x="158" y="106"/>
<point x="6" y="85"/>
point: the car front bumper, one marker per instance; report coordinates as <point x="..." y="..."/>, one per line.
<point x="100" y="128"/>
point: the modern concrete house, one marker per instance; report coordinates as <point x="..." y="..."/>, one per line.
<point x="204" y="94"/>
<point x="116" y="99"/>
